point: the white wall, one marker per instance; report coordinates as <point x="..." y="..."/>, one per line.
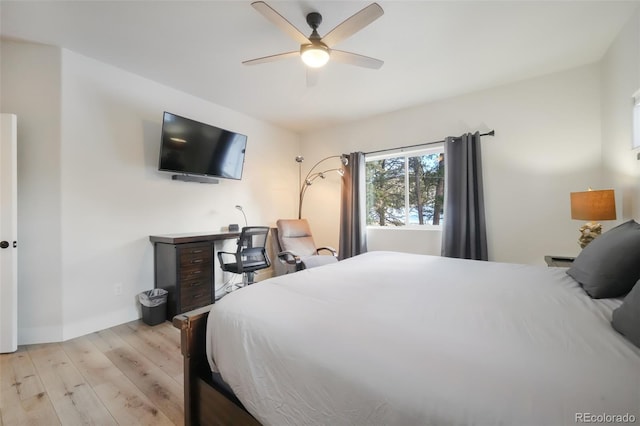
<point x="547" y="144"/>
<point x="30" y="83"/>
<point x="110" y="196"/>
<point x="620" y="80"/>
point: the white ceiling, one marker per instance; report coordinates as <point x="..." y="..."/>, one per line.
<point x="431" y="49"/>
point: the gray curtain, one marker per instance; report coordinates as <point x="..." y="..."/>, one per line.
<point x="464" y="230"/>
<point x="353" y="235"/>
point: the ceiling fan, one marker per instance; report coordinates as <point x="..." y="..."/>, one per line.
<point x="315" y="51"/>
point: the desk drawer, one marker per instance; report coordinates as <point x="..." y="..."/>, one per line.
<point x="184" y="266"/>
<point x="195" y="296"/>
<point x="195" y="272"/>
<point x="195" y="255"/>
<point x="195" y="284"/>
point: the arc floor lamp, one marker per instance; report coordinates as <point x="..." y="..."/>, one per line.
<point x="312" y="175"/>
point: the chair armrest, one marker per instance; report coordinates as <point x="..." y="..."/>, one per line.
<point x="289" y="258"/>
<point x="222" y="254"/>
<point x="333" y="251"/>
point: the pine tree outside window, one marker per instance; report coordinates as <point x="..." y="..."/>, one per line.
<point x="406" y="189"/>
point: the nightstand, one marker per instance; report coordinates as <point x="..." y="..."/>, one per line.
<point x="559" y="261"/>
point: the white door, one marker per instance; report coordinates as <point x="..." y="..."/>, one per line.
<point x="8" y="234"/>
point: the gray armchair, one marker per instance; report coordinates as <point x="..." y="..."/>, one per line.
<point x="296" y="249"/>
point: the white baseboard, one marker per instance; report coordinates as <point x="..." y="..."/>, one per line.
<point x="100" y="322"/>
<point x="30" y="336"/>
<point x="33" y="335"/>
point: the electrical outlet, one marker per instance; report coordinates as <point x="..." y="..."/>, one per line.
<point x="117" y="289"/>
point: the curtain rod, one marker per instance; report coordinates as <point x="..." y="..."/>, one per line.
<point x="489" y="133"/>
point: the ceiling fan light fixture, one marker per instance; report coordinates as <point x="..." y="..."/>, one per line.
<point x="314" y="55"/>
<point x="315" y="51"/>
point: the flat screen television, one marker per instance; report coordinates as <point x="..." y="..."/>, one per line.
<point x="193" y="148"/>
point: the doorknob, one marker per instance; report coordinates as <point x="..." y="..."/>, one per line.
<point x="4" y="244"/>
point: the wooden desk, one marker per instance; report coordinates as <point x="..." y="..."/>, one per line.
<point x="184" y="266"/>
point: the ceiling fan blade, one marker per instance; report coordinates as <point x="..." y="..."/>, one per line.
<point x="355" y="59"/>
<point x="353" y="24"/>
<point x="313" y="75"/>
<point x="272" y="58"/>
<point x="280" y="21"/>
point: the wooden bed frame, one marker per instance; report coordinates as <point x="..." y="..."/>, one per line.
<point x="204" y="402"/>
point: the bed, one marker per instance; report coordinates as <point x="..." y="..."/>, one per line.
<point x="388" y="338"/>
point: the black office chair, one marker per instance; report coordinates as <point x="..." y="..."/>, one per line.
<point x="250" y="256"/>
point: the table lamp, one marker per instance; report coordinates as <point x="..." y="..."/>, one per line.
<point x="592" y="206"/>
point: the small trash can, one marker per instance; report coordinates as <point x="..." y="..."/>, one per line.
<point x="154" y="306"/>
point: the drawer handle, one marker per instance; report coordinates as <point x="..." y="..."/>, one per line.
<point x="197" y="296"/>
<point x="196" y="251"/>
<point x="197" y="261"/>
<point x="195" y="272"/>
<point x="196" y="284"/>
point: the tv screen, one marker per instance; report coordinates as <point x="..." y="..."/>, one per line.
<point x="194" y="148"/>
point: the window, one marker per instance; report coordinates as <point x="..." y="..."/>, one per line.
<point x="636" y="120"/>
<point x="406" y="189"/>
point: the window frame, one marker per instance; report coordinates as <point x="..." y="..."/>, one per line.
<point x="635" y="131"/>
<point x="431" y="149"/>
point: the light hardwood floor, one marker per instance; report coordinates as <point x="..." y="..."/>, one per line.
<point x="130" y="374"/>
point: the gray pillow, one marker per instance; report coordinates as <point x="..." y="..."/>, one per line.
<point x="610" y="265"/>
<point x="626" y="319"/>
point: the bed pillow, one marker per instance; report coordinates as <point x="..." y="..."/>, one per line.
<point x="626" y="318"/>
<point x="610" y="265"/>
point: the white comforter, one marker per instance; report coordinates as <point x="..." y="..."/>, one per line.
<point x="398" y="339"/>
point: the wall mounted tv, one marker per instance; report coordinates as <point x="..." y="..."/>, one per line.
<point x="193" y="148"/>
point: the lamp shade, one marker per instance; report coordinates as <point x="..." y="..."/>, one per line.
<point x="314" y="55"/>
<point x="593" y="205"/>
